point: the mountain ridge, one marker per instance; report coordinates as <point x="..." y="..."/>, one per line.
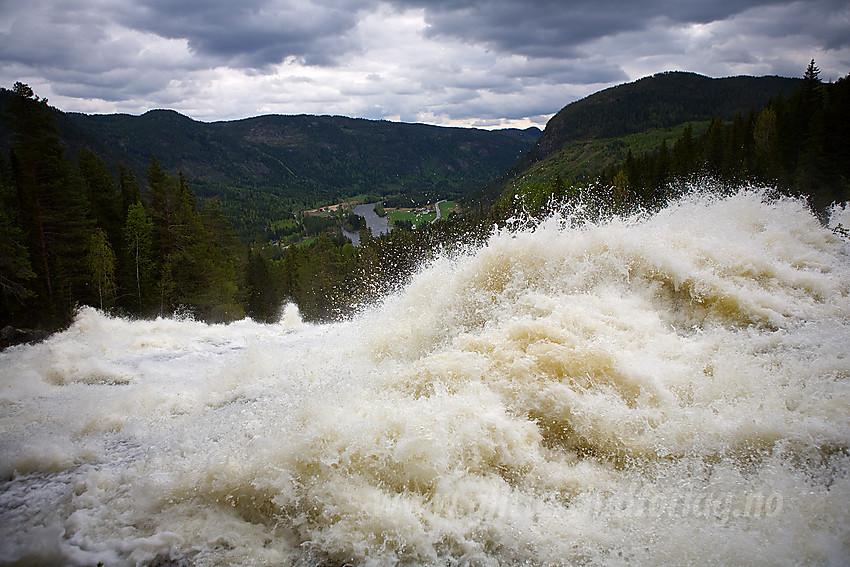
<point x="252" y="138"/>
<point x="685" y="96"/>
<point x="267" y="167"/>
<point x="592" y="133"/>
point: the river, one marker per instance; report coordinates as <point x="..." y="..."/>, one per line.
<point x="377" y="224"/>
<point x="670" y="389"/>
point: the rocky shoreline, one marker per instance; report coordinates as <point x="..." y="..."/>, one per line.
<point x="11" y="336"/>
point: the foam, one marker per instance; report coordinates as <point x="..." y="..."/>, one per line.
<point x="667" y="389"/>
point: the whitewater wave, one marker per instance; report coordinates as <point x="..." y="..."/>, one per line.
<point x="666" y="389"/>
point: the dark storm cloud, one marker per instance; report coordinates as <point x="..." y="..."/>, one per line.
<point x="445" y="61"/>
<point x="252" y="33"/>
<point x="240" y="34"/>
<point x="68" y="34"/>
<point x="826" y="20"/>
<point x="540" y="28"/>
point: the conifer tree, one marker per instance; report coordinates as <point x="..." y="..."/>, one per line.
<point x="162" y="207"/>
<point x="262" y="302"/>
<point x="53" y="209"/>
<point x="15" y="270"/>
<point x="128" y="188"/>
<point x="105" y="208"/>
<point x="811" y="78"/>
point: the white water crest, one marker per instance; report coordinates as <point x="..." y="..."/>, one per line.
<point x="669" y="390"/>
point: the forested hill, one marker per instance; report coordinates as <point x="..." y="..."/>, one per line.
<point x="305" y="158"/>
<point x="793" y="141"/>
<point x="597" y="132"/>
<point x="267" y="167"/>
<point x="74" y="233"/>
<point x="659" y="101"/>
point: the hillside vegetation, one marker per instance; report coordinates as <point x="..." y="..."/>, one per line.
<point x="660" y="101"/>
<point x="75" y="232"/>
<point x="588" y="135"/>
<point x="794" y="141"/>
<point x="264" y="168"/>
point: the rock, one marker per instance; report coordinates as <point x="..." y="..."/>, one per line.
<point x="10" y="336"/>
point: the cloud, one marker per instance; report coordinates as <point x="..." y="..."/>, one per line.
<point x="453" y="62"/>
<point x="547" y="28"/>
<point x="252" y="33"/>
<point x="83" y="52"/>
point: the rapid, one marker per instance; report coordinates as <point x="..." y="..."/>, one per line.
<point x="665" y="389"/>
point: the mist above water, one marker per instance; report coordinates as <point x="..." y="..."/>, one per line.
<point x="669" y="389"/>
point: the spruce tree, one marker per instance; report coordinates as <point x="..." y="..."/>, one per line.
<point x="53" y="210"/>
<point x="811" y="78"/>
<point x="15" y="269"/>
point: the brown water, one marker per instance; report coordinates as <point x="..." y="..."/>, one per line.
<point x="670" y="390"/>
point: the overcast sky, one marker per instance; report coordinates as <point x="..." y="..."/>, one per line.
<point x="482" y="63"/>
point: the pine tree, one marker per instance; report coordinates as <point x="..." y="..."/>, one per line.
<point x="811" y="78"/>
<point x="128" y="188"/>
<point x="53" y="210"/>
<point x="263" y="300"/>
<point x="15" y="270"/>
<point x="105" y="207"/>
<point x="162" y="206"/>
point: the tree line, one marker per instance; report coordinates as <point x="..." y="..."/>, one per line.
<point x="797" y="143"/>
<point x="75" y="234"/>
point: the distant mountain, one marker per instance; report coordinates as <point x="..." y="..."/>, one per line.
<point x="267" y="166"/>
<point x="590" y="134"/>
<point x="660" y="101"/>
<point x="321" y="155"/>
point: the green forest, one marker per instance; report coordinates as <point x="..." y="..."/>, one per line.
<point x="76" y="232"/>
<point x="796" y="142"/>
<point x="267" y="168"/>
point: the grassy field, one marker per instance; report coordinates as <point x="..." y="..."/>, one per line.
<point x="308" y="242"/>
<point x="446" y="207"/>
<point x="412" y="216"/>
<point x="419" y="218"/>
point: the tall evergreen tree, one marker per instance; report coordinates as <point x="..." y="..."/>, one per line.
<point x="128" y="188"/>
<point x="15" y="270"/>
<point x="162" y="206"/>
<point x="262" y="293"/>
<point x="104" y="203"/>
<point x="811" y="78"/>
<point x="53" y="209"/>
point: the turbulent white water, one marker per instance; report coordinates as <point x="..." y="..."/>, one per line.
<point x="670" y="390"/>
